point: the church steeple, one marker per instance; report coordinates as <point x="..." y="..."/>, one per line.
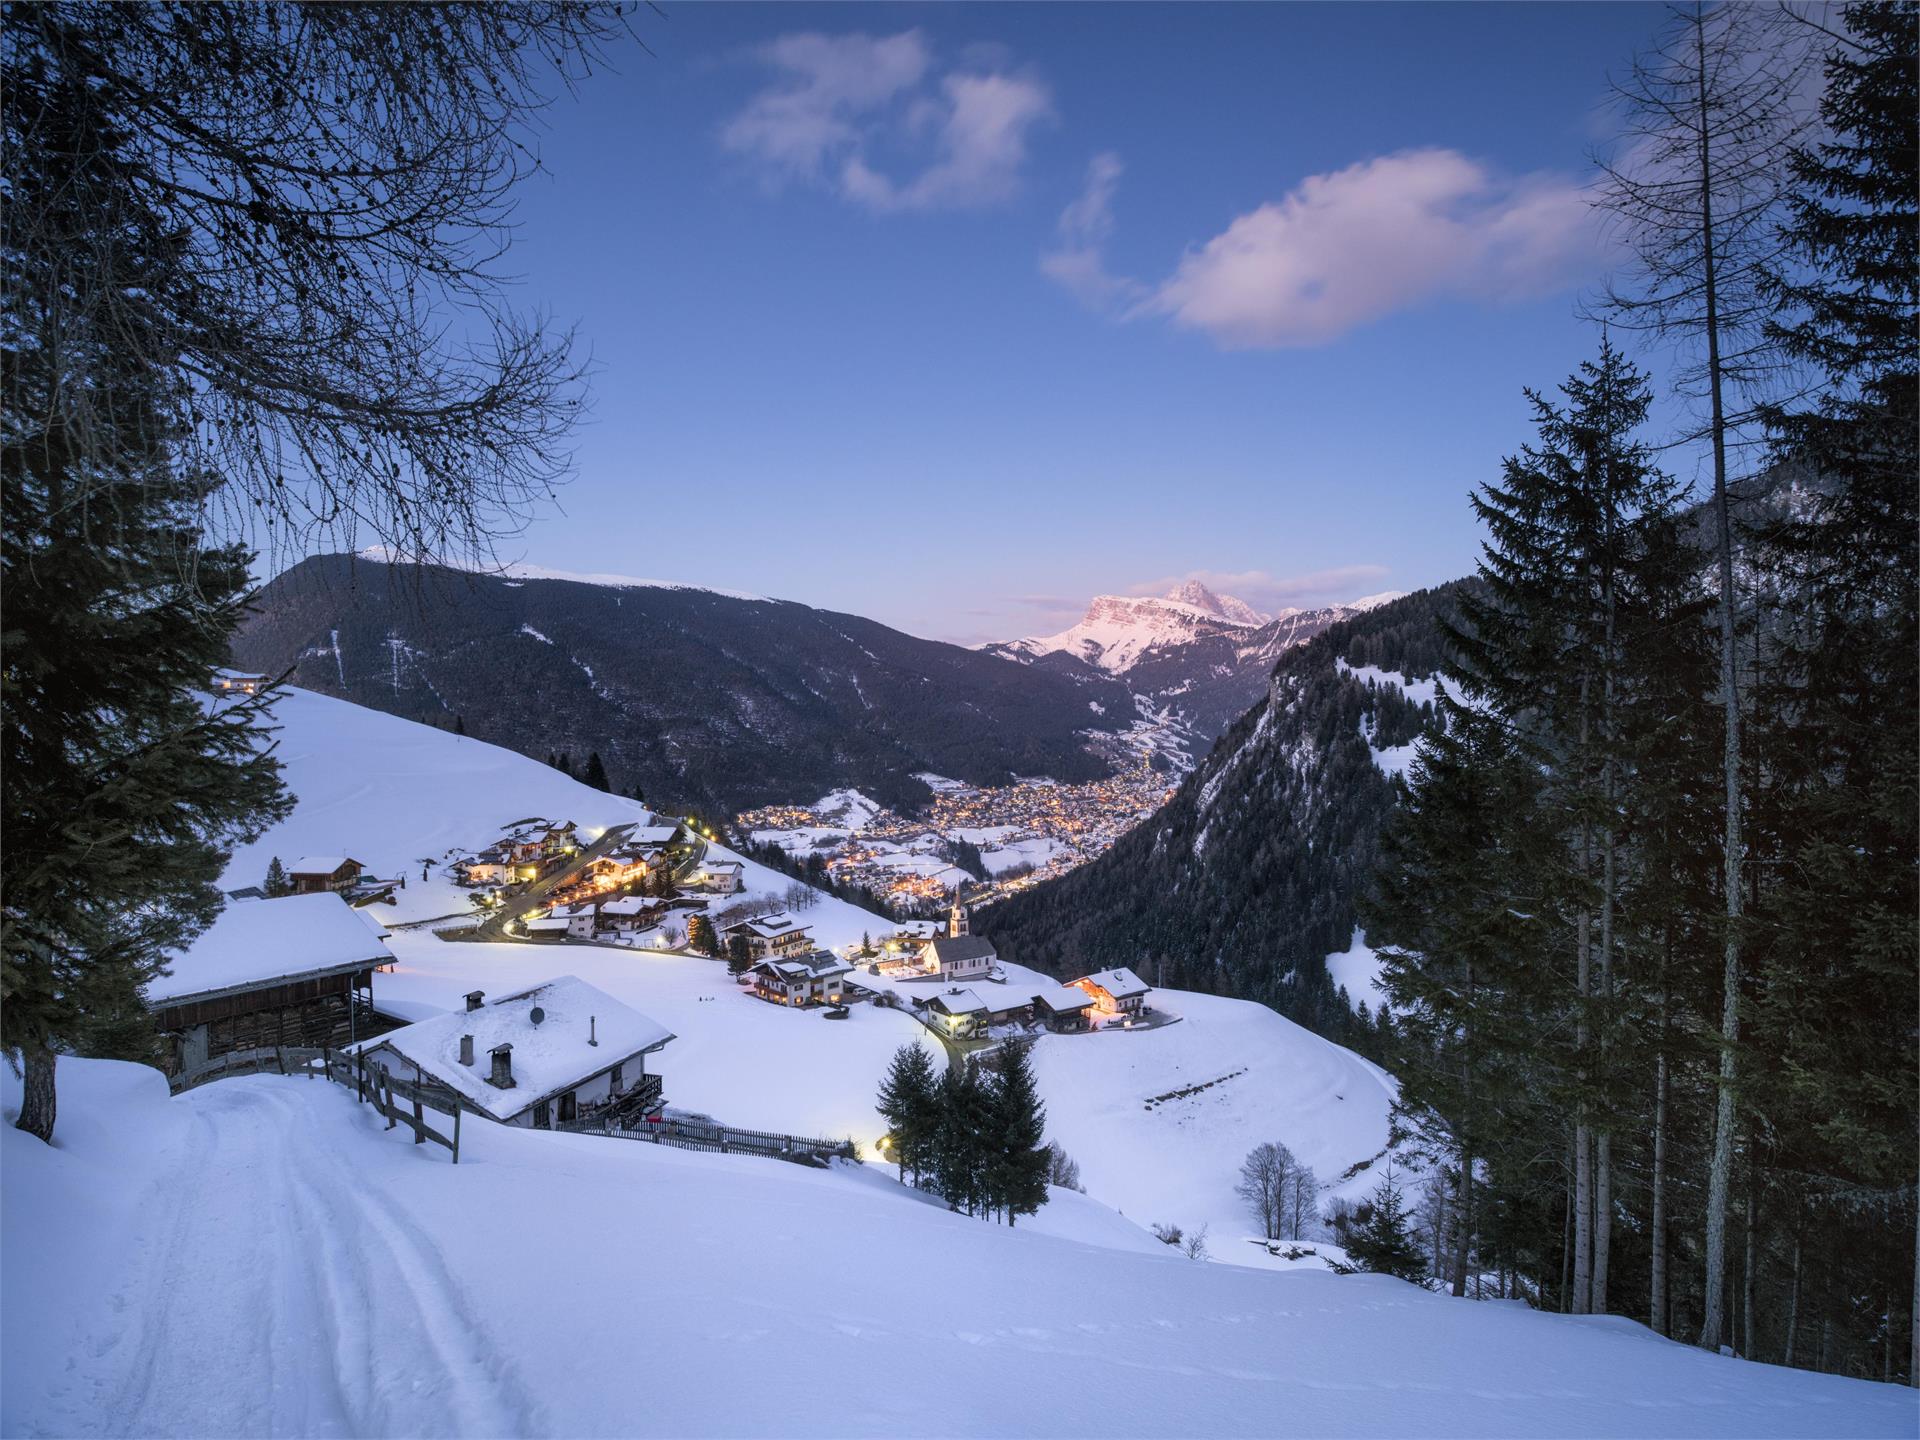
<point x="957" y="921"/>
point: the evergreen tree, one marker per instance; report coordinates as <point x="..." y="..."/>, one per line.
<point x="1017" y="1157"/>
<point x="701" y="936"/>
<point x="277" y="883"/>
<point x="739" y="955"/>
<point x="1383" y="1243"/>
<point x="958" y="1158"/>
<point x="595" y="773"/>
<point x="1838" y="984"/>
<point x="908" y="1099"/>
<point x="123" y="782"/>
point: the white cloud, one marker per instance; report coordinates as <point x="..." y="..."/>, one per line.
<point x="1264" y="590"/>
<point x="838" y="100"/>
<point x="1343" y="249"/>
<point x="1079" y="264"/>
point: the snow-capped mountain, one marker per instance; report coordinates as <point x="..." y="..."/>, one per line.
<point x="1197" y="656"/>
<point x="1118" y="630"/>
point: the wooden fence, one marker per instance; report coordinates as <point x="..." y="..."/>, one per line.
<point x="401" y="1101"/>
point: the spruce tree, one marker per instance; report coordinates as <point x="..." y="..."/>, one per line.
<point x="701" y="936"/>
<point x="906" y="1103"/>
<point x="595" y="773"/>
<point x="124" y="780"/>
<point x="1383" y="1244"/>
<point x="739" y="955"/>
<point x="277" y="883"/>
<point x="1018" y="1160"/>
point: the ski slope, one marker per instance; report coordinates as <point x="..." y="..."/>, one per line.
<point x="259" y="1256"/>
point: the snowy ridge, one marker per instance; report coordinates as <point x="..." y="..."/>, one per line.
<point x="519" y="570"/>
<point x="1118" y="629"/>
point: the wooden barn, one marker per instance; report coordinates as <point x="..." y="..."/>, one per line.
<point x="294" y="971"/>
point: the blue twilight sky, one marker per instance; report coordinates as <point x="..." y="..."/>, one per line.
<point x="955" y="316"/>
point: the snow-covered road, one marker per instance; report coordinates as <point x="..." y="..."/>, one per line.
<point x="267" y="1278"/>
<point x="261" y="1257"/>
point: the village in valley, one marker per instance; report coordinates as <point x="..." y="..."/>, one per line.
<point x="986" y="841"/>
<point x="291" y="965"/>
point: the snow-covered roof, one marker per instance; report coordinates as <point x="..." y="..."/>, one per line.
<point x="722" y="865"/>
<point x="625" y="905"/>
<point x="548" y="924"/>
<point x="818" y="965"/>
<point x="960" y="1002"/>
<point x="1119" y="982"/>
<point x="769" y="927"/>
<point x="319" y="864"/>
<point x="259" y="942"/>
<point x="549" y="1057"/>
<point x="652" y="834"/>
<point x="1062" y="999"/>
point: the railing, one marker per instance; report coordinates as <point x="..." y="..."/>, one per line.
<point x="372" y="1085"/>
<point x="723" y="1139"/>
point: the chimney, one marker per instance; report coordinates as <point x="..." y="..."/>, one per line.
<point x="466" y="1049"/>
<point x="502" y="1076"/>
<point x="592" y="1020"/>
<point x="475" y="999"/>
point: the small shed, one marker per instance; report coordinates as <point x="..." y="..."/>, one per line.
<point x="1062" y="1007"/>
<point x="294" y="971"/>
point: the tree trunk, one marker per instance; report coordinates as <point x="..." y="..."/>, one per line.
<point x="1720" y="1175"/>
<point x="1746" y="1282"/>
<point x="37" y="1101"/>
<point x="1566" y="1250"/>
<point x="1464" y="1225"/>
<point x="1582" y="1133"/>
<point x="1793" y="1298"/>
<point x="1657" y="1237"/>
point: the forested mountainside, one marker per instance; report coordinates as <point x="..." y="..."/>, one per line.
<point x="1246" y="880"/>
<point x="696" y="698"/>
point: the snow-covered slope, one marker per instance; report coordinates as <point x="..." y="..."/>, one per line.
<point x="389" y="793"/>
<point x="260" y="1256"/>
<point x="393" y="794"/>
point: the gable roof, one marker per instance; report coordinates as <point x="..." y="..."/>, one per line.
<point x="547" y="1058"/>
<point x="959" y="1002"/>
<point x="1062" y="999"/>
<point x="817" y="966"/>
<point x="770" y="927"/>
<point x="257" y="943"/>
<point x="319" y="864"/>
<point x="1119" y="982"/>
<point x="957" y="949"/>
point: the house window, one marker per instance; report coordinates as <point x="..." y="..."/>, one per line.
<point x="614" y="1085"/>
<point x="567" y="1107"/>
<point x="542" y="1116"/>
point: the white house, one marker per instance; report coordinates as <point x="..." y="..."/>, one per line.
<point x="801" y="979"/>
<point x="543" y="1057"/>
<point x="723" y="877"/>
<point x="964" y="957"/>
<point x="775" y="934"/>
<point x="960" y="1013"/>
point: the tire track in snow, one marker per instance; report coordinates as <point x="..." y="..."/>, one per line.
<point x="277" y="1292"/>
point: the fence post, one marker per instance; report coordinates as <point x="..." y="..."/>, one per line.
<point x="457" y="1108"/>
<point x="280" y="1057"/>
<point x="419" y="1119"/>
<point x="387" y="1106"/>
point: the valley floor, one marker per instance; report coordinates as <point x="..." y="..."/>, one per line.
<point x="258" y="1256"/>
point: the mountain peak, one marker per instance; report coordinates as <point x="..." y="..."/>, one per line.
<point x="1221" y="607"/>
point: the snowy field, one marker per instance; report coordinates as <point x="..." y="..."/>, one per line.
<point x="260" y="1257"/>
